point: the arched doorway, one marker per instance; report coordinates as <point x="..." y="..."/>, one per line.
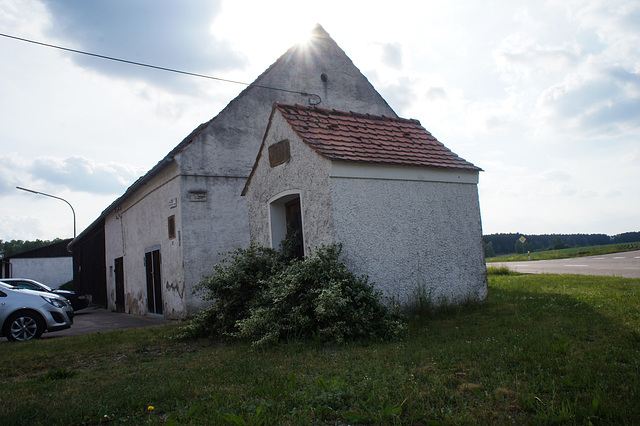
<point x="286" y="221"/>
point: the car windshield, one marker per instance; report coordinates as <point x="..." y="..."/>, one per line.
<point x="41" y="286"/>
<point x="7" y="285"/>
<point x="29" y="285"/>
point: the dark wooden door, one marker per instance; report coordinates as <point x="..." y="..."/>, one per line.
<point x="154" y="282"/>
<point x="293" y="217"/>
<point x="119" y="272"/>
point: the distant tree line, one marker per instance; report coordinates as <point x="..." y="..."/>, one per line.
<point x="494" y="244"/>
<point x="499" y="244"/>
<point x="13" y="247"/>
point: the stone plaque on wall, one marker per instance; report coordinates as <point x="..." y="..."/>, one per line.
<point x="279" y="153"/>
<point x="198" y="196"/>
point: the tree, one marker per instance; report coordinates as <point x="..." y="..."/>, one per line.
<point x="627" y="237"/>
<point x="13" y="247"/>
<point x="557" y="244"/>
<point x="523" y="248"/>
<point x="489" y="251"/>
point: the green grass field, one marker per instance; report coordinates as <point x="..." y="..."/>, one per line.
<point x="542" y="349"/>
<point x="567" y="253"/>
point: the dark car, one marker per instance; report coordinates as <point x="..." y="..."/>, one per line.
<point x="77" y="299"/>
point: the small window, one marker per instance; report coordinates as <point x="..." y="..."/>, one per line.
<point x="172" y="226"/>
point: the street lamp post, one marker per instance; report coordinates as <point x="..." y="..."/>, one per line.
<point x="53" y="196"/>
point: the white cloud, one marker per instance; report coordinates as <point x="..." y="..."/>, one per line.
<point x="87" y="185"/>
<point x="521" y="59"/>
<point x="66" y="174"/>
<point x="399" y="94"/>
<point x="594" y="102"/>
<point x="392" y="55"/>
<point x="81" y="174"/>
<point x="157" y="32"/>
<point x="436" y="93"/>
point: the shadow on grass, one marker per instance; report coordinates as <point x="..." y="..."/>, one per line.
<point x="566" y="345"/>
<point x="542" y="349"/>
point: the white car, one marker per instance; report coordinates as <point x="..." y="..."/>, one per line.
<point x="26" y="314"/>
<point x="77" y="299"/>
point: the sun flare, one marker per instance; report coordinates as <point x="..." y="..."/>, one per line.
<point x="305" y="35"/>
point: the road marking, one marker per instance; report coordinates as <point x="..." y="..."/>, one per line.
<point x="620" y="257"/>
<point x="577" y="265"/>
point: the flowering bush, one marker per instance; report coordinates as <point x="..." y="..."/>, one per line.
<point x="233" y="289"/>
<point x="261" y="295"/>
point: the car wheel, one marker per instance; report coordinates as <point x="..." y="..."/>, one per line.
<point x="24" y="326"/>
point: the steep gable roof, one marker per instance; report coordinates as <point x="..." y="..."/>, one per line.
<point x="365" y="138"/>
<point x="287" y="77"/>
<point x="318" y="36"/>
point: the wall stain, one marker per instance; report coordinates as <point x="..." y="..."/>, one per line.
<point x="175" y="287"/>
<point x="134" y="305"/>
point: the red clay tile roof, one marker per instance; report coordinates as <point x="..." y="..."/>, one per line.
<point x="364" y="138"/>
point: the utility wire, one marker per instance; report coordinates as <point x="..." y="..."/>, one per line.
<point x="310" y="95"/>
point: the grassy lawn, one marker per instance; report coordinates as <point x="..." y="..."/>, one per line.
<point x="567" y="253"/>
<point x="542" y="349"/>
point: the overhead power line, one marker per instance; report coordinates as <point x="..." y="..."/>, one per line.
<point x="315" y="101"/>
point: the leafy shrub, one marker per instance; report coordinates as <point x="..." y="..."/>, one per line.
<point x="264" y="296"/>
<point x="233" y="289"/>
<point x="319" y="298"/>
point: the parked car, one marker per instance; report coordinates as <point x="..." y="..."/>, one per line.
<point x="26" y="314"/>
<point x="78" y="299"/>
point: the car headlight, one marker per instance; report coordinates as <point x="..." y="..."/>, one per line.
<point x="55" y="302"/>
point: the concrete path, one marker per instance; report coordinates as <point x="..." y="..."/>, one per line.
<point x="625" y="264"/>
<point x="93" y="320"/>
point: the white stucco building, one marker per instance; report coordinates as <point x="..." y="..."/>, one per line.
<point x="151" y="246"/>
<point x="51" y="265"/>
<point x="403" y="206"/>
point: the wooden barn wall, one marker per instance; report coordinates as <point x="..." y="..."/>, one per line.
<point x="89" y="269"/>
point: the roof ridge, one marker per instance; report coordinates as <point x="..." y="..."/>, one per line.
<point x="333" y="111"/>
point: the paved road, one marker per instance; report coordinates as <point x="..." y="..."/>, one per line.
<point x="93" y="320"/>
<point x="625" y="264"/>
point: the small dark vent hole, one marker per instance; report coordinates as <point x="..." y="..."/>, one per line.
<point x="324" y="77"/>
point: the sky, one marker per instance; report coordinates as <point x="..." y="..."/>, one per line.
<point x="544" y="96"/>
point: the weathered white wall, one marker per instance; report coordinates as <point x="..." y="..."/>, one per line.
<point x="215" y="225"/>
<point x="412" y="236"/>
<point x="220" y="158"/>
<point x="139" y="223"/>
<point x="413" y="231"/>
<point x="52" y="271"/>
<point x="216" y="163"/>
<point x="305" y="173"/>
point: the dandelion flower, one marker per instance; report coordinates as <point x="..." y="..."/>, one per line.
<point x="151" y="408"/>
